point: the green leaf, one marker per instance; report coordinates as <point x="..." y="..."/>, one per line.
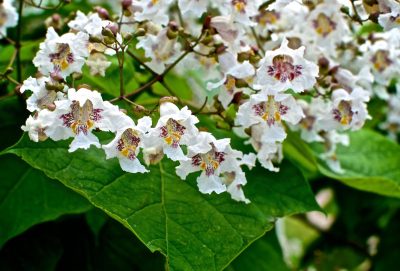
<point x="264" y="254"/>
<point x="13" y="114"/>
<point x="371" y="163"/>
<point x="194" y="231"/>
<point x="28" y="197"/>
<point x="297" y="151"/>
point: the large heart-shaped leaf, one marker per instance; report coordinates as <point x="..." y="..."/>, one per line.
<point x="371" y="163"/>
<point x="28" y="197"/>
<point x="194" y="231"/>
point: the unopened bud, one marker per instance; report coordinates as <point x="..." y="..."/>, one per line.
<point x="113" y="28"/>
<point x="323" y="64"/>
<point x="220" y="48"/>
<point x="77" y="76"/>
<point x="103" y="13"/>
<point x="140" y="32"/>
<point x="126" y="4"/>
<point x="83" y="86"/>
<point x="106" y="32"/>
<point x="254" y="59"/>
<point x="168" y="99"/>
<point x="128" y="37"/>
<point x="51" y="107"/>
<point x="241" y="83"/>
<point x="109" y="40"/>
<point x="95" y="39"/>
<point x="56" y="76"/>
<point x="243" y="56"/>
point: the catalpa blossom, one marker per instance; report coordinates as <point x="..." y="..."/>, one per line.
<point x="347" y="110"/>
<point x="391" y="19"/>
<point x="285" y="68"/>
<point x="127" y="143"/>
<point x="267" y="153"/>
<point x="41" y="97"/>
<point x="8" y="16"/>
<point x="91" y="24"/>
<point x="98" y="64"/>
<point x="35" y="128"/>
<point x="332" y="139"/>
<point x="62" y="55"/>
<point x="175" y="127"/>
<point x="193" y="7"/>
<point x="382" y="58"/>
<point x="78" y="115"/>
<point x="270" y="109"/>
<point x="326" y="27"/>
<point x="219" y="165"/>
<point x="155" y="11"/>
<point x="241" y="10"/>
<point x="161" y="49"/>
<point x="233" y="71"/>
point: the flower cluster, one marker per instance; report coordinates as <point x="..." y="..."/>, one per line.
<point x="281" y="65"/>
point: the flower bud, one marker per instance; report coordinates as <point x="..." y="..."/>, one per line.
<point x="126" y="4"/>
<point x="106" y="32"/>
<point x="103" y="13"/>
<point x="51" y="107"/>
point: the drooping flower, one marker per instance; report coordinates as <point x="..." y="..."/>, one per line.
<point x="35" y="127"/>
<point x="285" y="68"/>
<point x="127" y="144"/>
<point x="161" y="49"/>
<point x="176" y="127"/>
<point x="241" y="11"/>
<point x="219" y="165"/>
<point x="233" y="71"/>
<point x="152" y="10"/>
<point x="8" y="16"/>
<point x="41" y="97"/>
<point x="78" y="115"/>
<point x="98" y="64"/>
<point x="62" y="55"/>
<point x="270" y="109"/>
<point x="347" y="110"/>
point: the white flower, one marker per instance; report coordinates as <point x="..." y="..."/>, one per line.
<point x="390" y="19"/>
<point x="98" y="64"/>
<point x="194" y="7"/>
<point x="232" y="70"/>
<point x="219" y="166"/>
<point x="174" y="128"/>
<point x="309" y="124"/>
<point x="34" y="127"/>
<point x="333" y="139"/>
<point x="160" y="49"/>
<point x="62" y="55"/>
<point x="347" y="110"/>
<point x="77" y="116"/>
<point x="8" y="16"/>
<point x="127" y="144"/>
<point x="41" y="97"/>
<point x="91" y="24"/>
<point x="286" y="68"/>
<point x="269" y="109"/>
<point x="152" y="10"/>
<point x="241" y="10"/>
<point x="326" y="27"/>
<point x="267" y="153"/>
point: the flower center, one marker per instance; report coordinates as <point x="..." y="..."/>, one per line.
<point x="128" y="143"/>
<point x="268" y="17"/>
<point x="270" y="111"/>
<point x="395" y="19"/>
<point x="3" y="15"/>
<point x="81" y="118"/>
<point x="282" y="68"/>
<point x="172" y="132"/>
<point x="343" y="113"/>
<point x="240" y="5"/>
<point x="230" y="84"/>
<point x="308" y="122"/>
<point x="46" y="100"/>
<point x="381" y="60"/>
<point x="210" y="161"/>
<point x="323" y="25"/>
<point x="63" y="57"/>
